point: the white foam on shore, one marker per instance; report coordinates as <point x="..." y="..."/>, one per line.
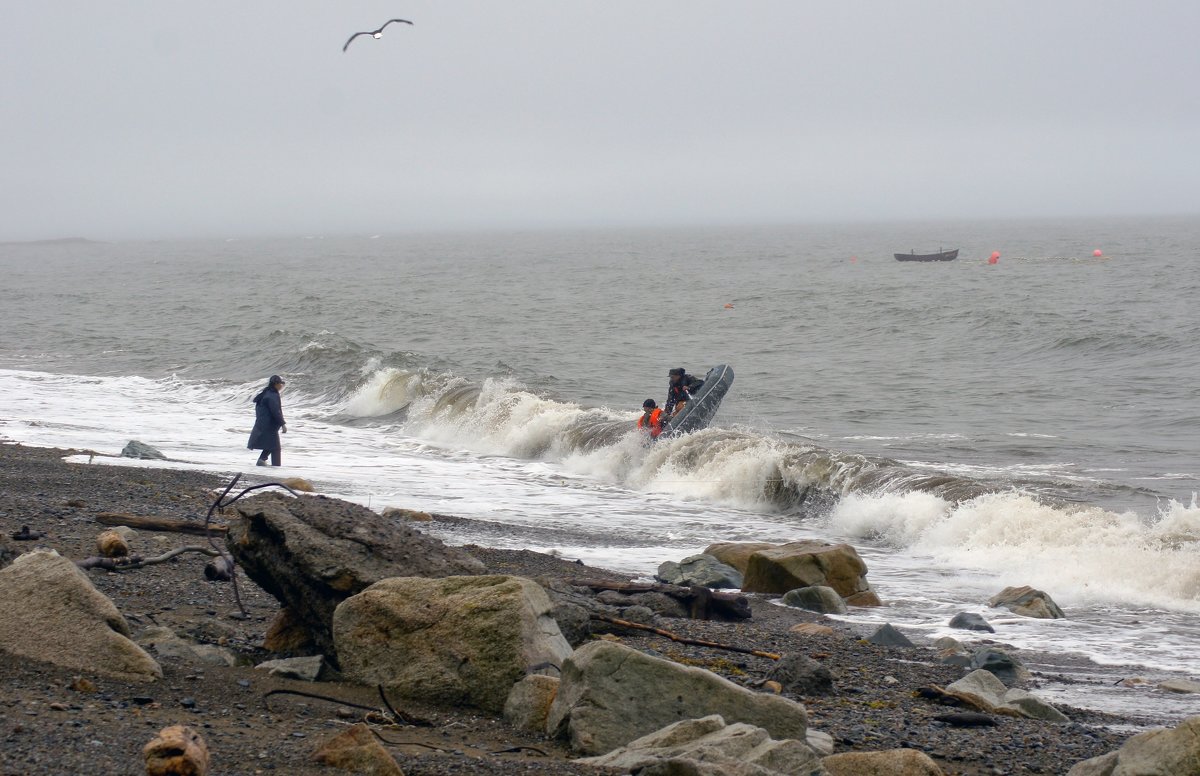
<point x="1086" y="555"/>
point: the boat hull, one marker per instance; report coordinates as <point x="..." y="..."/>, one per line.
<point x="942" y="256"/>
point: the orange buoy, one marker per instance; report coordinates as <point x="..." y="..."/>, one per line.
<point x="993" y="259"/>
<point x="995" y="254"/>
<point x="729" y="305"/>
<point x="1097" y="253"/>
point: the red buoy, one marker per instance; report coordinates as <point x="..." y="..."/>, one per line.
<point x="1097" y="253"/>
<point x="729" y="305"/>
<point x="994" y="259"/>
<point x="995" y="254"/>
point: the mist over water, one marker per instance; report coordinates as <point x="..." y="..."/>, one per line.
<point x="966" y="426"/>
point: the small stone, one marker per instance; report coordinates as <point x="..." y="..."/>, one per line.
<point x="141" y="700"/>
<point x="966" y="719"/>
<point x="343" y="712"/>
<point x="243" y="682"/>
<point x="812" y="629"/>
<point x="176" y="751"/>
<point x="81" y="684"/>
<point x="888" y="636"/>
<point x="58" y="706"/>
<point x="773" y="686"/>
<point x="971" y="621"/>
<point x="188" y="702"/>
<point x="1180" y="686"/>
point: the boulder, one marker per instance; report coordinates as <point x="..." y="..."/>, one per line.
<point x="821" y="743"/>
<point x="136" y="449"/>
<point x="801" y="675"/>
<point x="659" y="603"/>
<point x="286" y="633"/>
<point x="1159" y="752"/>
<point x="1027" y="602"/>
<point x="396" y="513"/>
<point x="573" y="621"/>
<point x="893" y="762"/>
<point x="1006" y="667"/>
<point x="306" y="669"/>
<point x="812" y="629"/>
<point x="1180" y="686"/>
<point x="611" y="694"/>
<point x="865" y="598"/>
<point x="816" y="598"/>
<point x="709" y="746"/>
<point x="298" y="484"/>
<point x="456" y="640"/>
<point x="110" y="544"/>
<point x="7" y="552"/>
<point x="985" y="692"/>
<point x="529" y="701"/>
<point x="357" y="750"/>
<point x="971" y="621"/>
<point x="700" y="570"/>
<point x="176" y="751"/>
<point x="888" y="636"/>
<point x="166" y="643"/>
<point x="736" y="554"/>
<point x="52" y="612"/>
<point x="313" y="552"/>
<point x="801" y="564"/>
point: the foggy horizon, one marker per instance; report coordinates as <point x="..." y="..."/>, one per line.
<point x="132" y="122"/>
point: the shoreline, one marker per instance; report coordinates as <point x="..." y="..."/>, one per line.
<point x="865" y="712"/>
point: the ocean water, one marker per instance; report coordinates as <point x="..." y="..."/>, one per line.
<point x="966" y="426"/>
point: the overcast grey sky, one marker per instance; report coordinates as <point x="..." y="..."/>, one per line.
<point x="160" y="119"/>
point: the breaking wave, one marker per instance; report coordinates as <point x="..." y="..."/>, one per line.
<point x="1085" y="554"/>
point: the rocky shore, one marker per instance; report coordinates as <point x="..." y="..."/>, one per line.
<point x="385" y="607"/>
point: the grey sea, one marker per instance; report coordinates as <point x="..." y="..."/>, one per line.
<point x="966" y="425"/>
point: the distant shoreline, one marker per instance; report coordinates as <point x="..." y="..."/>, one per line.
<point x="54" y="241"/>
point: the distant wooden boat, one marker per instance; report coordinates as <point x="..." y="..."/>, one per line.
<point x="939" y="256"/>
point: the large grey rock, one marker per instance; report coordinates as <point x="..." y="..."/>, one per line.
<point x="166" y="643"/>
<point x="708" y="745"/>
<point x="306" y="669"/>
<point x="1160" y="752"/>
<point x="611" y="694"/>
<point x="528" y="704"/>
<point x="736" y="554"/>
<point x="801" y="675"/>
<point x="457" y="640"/>
<point x="313" y="552"/>
<point x="888" y="636"/>
<point x="702" y="570"/>
<point x="1006" y="667"/>
<point x="659" y="603"/>
<point x="1180" y="686"/>
<point x="801" y="564"/>
<point x="892" y="762"/>
<point x="984" y="691"/>
<point x="51" y="612"/>
<point x="136" y="449"/>
<point x="1027" y="602"/>
<point x="971" y="621"/>
<point x="816" y="598"/>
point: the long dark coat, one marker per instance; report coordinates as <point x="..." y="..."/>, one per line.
<point x="268" y="419"/>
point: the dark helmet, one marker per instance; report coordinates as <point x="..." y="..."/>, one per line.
<point x="677" y="371"/>
<point x="649" y="404"/>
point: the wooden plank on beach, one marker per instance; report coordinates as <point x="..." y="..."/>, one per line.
<point x="167" y="524"/>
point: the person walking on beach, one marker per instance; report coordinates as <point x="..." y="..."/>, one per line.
<point x="268" y="423"/>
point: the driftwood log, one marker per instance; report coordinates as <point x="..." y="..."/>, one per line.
<point x="166" y="524"/>
<point x="702" y="603"/>
<point x="130" y="562"/>
<point x="683" y="639"/>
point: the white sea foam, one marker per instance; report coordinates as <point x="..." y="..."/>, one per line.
<point x="1086" y="555"/>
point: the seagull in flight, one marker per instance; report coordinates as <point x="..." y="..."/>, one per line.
<point x="377" y="34"/>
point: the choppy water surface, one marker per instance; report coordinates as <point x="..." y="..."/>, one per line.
<point x="967" y="426"/>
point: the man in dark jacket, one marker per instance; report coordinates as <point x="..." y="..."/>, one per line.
<point x="268" y="423"/>
<point x="680" y="390"/>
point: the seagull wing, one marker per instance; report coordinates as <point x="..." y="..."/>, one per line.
<point x="352" y="37"/>
<point x="391" y="21"/>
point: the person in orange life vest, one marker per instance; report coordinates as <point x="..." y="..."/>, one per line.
<point x="651" y="419"/>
